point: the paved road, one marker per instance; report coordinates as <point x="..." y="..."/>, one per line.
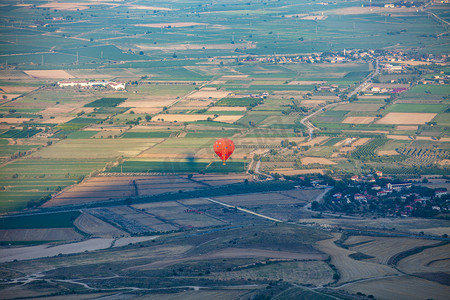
<point x="366" y="82"/>
<point x="305" y="121"/>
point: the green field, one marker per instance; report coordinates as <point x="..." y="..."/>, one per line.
<point x="430" y="89"/>
<point x="417" y="108"/>
<point x="17" y="134"/>
<point x="210" y="133"/>
<point x="140" y="166"/>
<point x="29" y="180"/>
<point x="55" y="220"/>
<point x="248" y="102"/>
<point x="146" y="134"/>
<point x="106" y="102"/>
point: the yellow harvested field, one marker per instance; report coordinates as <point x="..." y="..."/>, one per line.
<point x="202" y="94"/>
<point x="349" y="268"/>
<point x="66" y="6"/>
<point x="444" y="162"/>
<point x="382" y="248"/>
<point x="17" y="89"/>
<point x="56" y="120"/>
<point x="429" y="260"/>
<point x="227" y="108"/>
<point x="49" y="74"/>
<point x="194" y="103"/>
<point x="316" y="160"/>
<point x="406" y="127"/>
<point x="319" y="17"/>
<point x="179" y="118"/>
<point x="8" y="96"/>
<point x="292" y="172"/>
<point x="174" y="24"/>
<point x="414" y="62"/>
<point x="387" y="152"/>
<point x="14" y="120"/>
<point x="316" y="140"/>
<point x="306" y="82"/>
<point x="361" y="141"/>
<point x="143" y="7"/>
<point x="418" y="138"/>
<point x="313" y="102"/>
<point x="148" y="103"/>
<point x="358" y="120"/>
<point x="434" y="230"/>
<point x="65" y="109"/>
<point x="406" y="118"/>
<point x="227" y="118"/>
<point x="400" y="287"/>
<point x="218" y="82"/>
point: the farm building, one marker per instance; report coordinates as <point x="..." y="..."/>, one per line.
<point x="337" y="195"/>
<point x="382" y="193"/>
<point x="359" y="197"/>
<point x="399" y="90"/>
<point x="376" y="187"/>
<point x="73" y="83"/>
<point x="440" y="193"/>
<point x="112" y="84"/>
<point x="398" y="186"/>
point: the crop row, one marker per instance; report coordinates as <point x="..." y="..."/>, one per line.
<point x="18" y="134"/>
<point x="368" y="150"/>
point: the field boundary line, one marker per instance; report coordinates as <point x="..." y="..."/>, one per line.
<point x="244" y="210"/>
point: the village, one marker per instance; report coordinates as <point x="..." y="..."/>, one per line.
<point x="391" y="60"/>
<point x="384" y="196"/>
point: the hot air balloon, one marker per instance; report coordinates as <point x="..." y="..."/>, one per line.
<point x="223" y="148"/>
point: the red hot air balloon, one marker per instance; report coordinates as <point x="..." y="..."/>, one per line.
<point x="223" y="148"/>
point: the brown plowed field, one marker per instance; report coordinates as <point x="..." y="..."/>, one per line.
<point x="98" y="228"/>
<point x="46" y="234"/>
<point x="406" y="118"/>
<point x="316" y="160"/>
<point x="101" y="188"/>
<point x="358" y="120"/>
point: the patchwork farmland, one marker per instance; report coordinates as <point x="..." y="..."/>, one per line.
<point x="110" y="186"/>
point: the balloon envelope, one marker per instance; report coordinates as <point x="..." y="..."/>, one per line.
<point x="223" y="148"/>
